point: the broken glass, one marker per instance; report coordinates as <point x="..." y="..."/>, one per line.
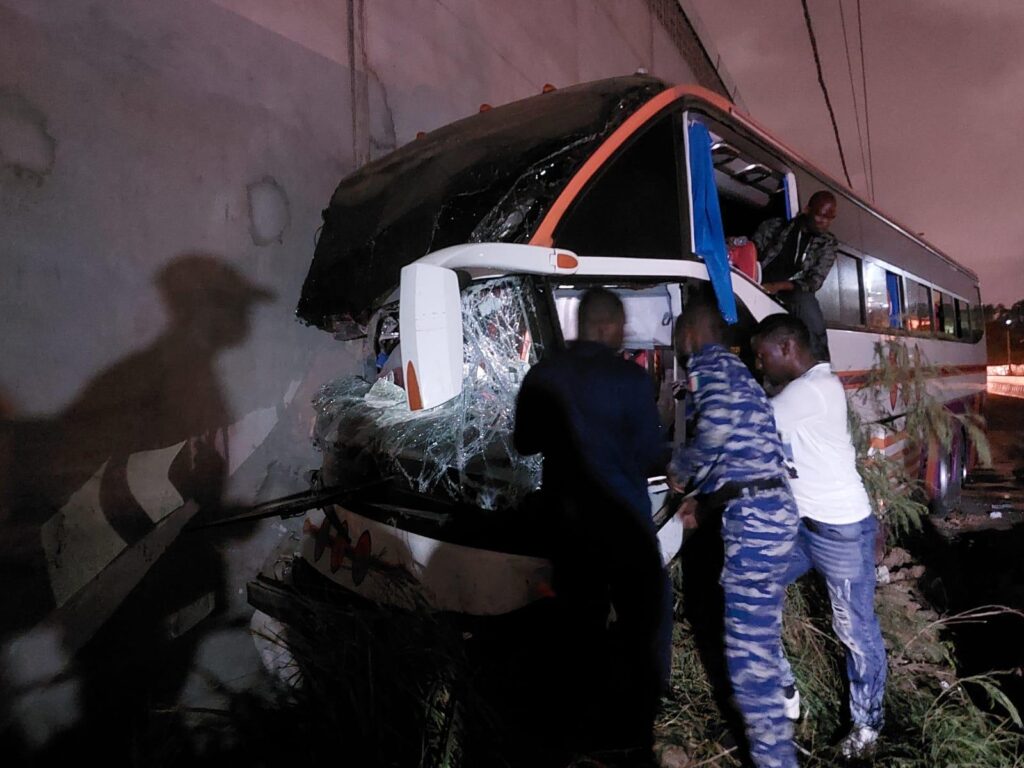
<point x="461" y="450"/>
<point x="489" y="178"/>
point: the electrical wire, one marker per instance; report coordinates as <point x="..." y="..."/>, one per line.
<point x="853" y="93"/>
<point x="824" y="91"/>
<point x="867" y="113"/>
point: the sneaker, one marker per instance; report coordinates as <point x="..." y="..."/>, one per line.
<point x="859" y="742"/>
<point x="791" y="702"/>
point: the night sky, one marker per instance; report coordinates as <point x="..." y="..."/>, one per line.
<point x="945" y="86"/>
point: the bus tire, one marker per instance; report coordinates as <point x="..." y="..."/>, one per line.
<point x="951" y="475"/>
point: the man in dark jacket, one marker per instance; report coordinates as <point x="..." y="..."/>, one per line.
<point x="593" y="416"/>
<point x="796" y="257"/>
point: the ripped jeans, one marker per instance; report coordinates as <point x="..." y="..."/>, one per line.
<point x="845" y="556"/>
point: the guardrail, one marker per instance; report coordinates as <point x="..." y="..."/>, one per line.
<point x="1006" y="370"/>
<point x="1008" y="386"/>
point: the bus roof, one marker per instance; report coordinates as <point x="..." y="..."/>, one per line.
<point x="508" y="174"/>
<point x="488" y="177"/>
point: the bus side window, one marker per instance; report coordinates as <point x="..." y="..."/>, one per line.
<point x="945" y="315"/>
<point x="839" y="295"/>
<point x="977" y="322"/>
<point x="882" y="298"/>
<point x="749" y="192"/>
<point x="963" y="320"/>
<point x="919" y="307"/>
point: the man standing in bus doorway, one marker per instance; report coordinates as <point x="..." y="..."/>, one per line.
<point x="837" y="527"/>
<point x="796" y="257"/>
<point x="592" y="415"/>
<point x="735" y="462"/>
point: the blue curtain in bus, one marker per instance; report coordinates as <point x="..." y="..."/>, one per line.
<point x="892" y="284"/>
<point x="709" y="237"/>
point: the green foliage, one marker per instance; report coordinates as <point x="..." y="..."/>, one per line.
<point x="933" y="717"/>
<point x="902" y="373"/>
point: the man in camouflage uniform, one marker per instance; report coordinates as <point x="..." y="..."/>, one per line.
<point x="735" y="461"/>
<point x="796" y="257"/>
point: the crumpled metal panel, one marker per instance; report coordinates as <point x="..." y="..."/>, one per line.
<point x="461" y="450"/>
<point x="488" y="178"/>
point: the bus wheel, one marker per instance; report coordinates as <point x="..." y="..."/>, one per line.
<point x="951" y="475"/>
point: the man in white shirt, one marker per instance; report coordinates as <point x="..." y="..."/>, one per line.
<point x="837" y="527"/>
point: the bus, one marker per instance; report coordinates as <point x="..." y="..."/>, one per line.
<point x="459" y="260"/>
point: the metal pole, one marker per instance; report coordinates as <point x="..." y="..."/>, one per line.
<point x="1009" y="361"/>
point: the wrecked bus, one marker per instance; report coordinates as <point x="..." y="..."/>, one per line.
<point x="459" y="260"/>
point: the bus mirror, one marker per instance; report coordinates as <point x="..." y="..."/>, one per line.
<point x="430" y="321"/>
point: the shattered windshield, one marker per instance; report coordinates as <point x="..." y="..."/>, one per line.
<point x="461" y="450"/>
<point x="488" y="178"/>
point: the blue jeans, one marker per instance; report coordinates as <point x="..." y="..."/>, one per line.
<point x="845" y="556"/>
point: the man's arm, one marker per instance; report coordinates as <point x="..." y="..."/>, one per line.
<point x="819" y="264"/>
<point x="765" y="234"/>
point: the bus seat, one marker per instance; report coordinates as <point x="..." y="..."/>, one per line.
<point x="743" y="256"/>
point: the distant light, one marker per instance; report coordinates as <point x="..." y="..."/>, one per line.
<point x="485" y="107"/>
<point x="420" y="134"/>
<point x="548" y="88"/>
<point x="1009" y="322"/>
<point x="641" y="71"/>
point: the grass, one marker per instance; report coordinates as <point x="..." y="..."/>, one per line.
<point x="934" y="718"/>
<point x="901" y="381"/>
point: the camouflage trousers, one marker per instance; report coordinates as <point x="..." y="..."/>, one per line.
<point x="759" y="534"/>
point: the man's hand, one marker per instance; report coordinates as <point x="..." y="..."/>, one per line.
<point x="773" y="288"/>
<point x="687" y="514"/>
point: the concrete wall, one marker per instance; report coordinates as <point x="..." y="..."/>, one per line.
<point x="137" y="134"/>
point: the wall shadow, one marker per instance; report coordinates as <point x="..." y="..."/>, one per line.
<point x="94" y="482"/>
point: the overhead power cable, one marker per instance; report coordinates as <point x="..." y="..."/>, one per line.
<point x="867" y="113"/>
<point x="853" y="94"/>
<point x="824" y="91"/>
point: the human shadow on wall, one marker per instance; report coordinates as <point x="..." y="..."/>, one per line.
<point x="142" y="437"/>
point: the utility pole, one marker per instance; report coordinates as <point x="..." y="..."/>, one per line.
<point x="1008" y="361"/>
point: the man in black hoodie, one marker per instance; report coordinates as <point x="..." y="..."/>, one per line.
<point x="796" y="257"/>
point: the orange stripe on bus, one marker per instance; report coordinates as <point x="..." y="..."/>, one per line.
<point x="544" y="234"/>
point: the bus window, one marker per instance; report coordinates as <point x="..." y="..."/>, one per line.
<point x="963" y="320"/>
<point x="882" y="303"/>
<point x="839" y="295"/>
<point x="977" y="322"/>
<point x="919" y="306"/>
<point x="749" y="192"/>
<point x="945" y="315"/>
<point x="632" y="208"/>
